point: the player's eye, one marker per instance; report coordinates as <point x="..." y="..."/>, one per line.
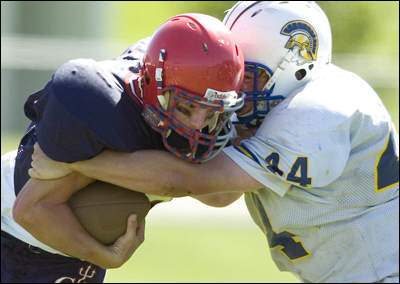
<point x="183" y="110"/>
<point x="248" y="77"/>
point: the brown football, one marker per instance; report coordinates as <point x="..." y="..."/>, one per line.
<point x="103" y="209"/>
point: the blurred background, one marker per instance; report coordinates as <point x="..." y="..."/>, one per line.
<point x="185" y="241"/>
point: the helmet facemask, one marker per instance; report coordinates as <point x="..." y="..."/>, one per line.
<point x="186" y="142"/>
<point x="259" y="100"/>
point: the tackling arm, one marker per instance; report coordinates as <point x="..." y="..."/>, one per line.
<point x="218" y="199"/>
<point x="45" y="168"/>
<point x="160" y="173"/>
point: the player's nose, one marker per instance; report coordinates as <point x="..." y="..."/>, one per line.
<point x="198" y="119"/>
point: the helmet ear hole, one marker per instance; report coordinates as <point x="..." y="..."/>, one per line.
<point x="300" y="74"/>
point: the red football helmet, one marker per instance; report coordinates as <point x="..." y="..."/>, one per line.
<point x="194" y="57"/>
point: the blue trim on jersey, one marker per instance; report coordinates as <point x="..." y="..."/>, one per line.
<point x="288" y="243"/>
<point x="245" y="151"/>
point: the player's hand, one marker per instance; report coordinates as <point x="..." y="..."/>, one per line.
<point x="45" y="168"/>
<point x="126" y="245"/>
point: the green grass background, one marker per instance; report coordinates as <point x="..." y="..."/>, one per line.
<point x="210" y="253"/>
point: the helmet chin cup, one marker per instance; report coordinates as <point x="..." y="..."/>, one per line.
<point x="192" y="145"/>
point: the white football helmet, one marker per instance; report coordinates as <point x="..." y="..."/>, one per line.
<point x="290" y="40"/>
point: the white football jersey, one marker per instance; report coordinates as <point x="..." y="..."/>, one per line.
<point x="328" y="156"/>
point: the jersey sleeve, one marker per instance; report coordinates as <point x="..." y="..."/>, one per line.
<point x="249" y="163"/>
<point x="81" y="105"/>
<point x="307" y="150"/>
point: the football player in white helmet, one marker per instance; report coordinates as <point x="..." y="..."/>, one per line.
<point x="289" y="52"/>
<point x="321" y="173"/>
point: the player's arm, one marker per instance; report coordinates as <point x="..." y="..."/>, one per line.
<point x="155" y="172"/>
<point x="218" y="199"/>
<point x="42" y="164"/>
<point x="160" y="173"/>
<point x="42" y="210"/>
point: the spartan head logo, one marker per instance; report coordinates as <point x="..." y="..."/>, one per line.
<point x="302" y="35"/>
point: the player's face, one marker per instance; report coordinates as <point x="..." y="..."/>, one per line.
<point x="194" y="116"/>
<point x="248" y="81"/>
<point x="248" y="86"/>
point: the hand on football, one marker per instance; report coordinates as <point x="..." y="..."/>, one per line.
<point x="45" y="168"/>
<point x="126" y="245"/>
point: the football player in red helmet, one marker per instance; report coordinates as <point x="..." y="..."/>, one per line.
<point x="178" y="97"/>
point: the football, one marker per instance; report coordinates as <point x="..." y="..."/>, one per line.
<point x="103" y="209"/>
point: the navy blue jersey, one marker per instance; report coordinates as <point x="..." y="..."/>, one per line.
<point x="83" y="110"/>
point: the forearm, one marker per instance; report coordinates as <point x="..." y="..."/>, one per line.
<point x="218" y="199"/>
<point x="51" y="221"/>
<point x="57" y="227"/>
<point x="135" y="171"/>
<point x="160" y="173"/>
